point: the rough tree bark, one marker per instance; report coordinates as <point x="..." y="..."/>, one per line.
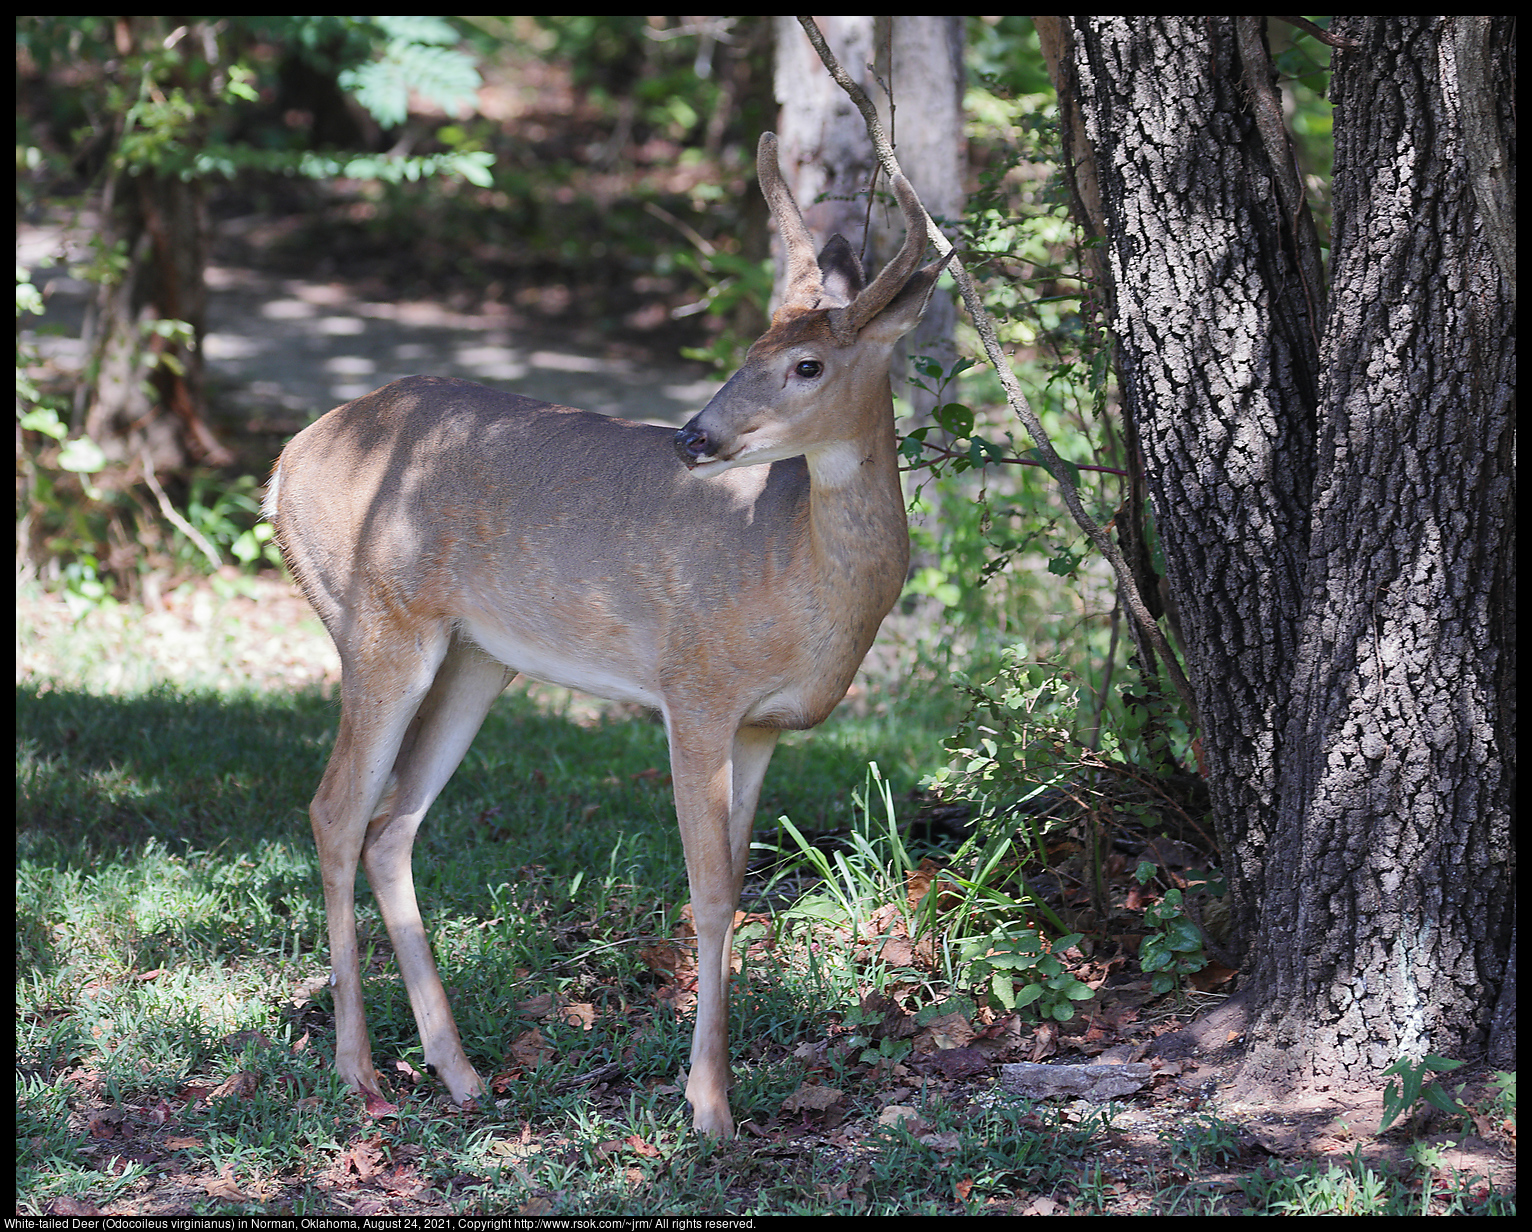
<point x="1331" y="478"/>
<point x="1393" y="851"/>
<point x="1218" y="362"/>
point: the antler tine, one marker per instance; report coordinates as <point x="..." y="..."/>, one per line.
<point x="804" y="282"/>
<point x="845" y="322"/>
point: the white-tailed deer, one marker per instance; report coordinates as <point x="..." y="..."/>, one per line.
<point x="731" y="575"/>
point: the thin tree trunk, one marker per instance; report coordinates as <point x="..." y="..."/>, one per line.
<point x="825" y="155"/>
<point x="917" y="61"/>
<point x="147" y="390"/>
<point x="921" y="60"/>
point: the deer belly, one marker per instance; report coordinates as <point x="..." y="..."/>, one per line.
<point x="593" y="665"/>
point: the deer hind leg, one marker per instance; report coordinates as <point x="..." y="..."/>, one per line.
<point x="717" y="779"/>
<point x="465" y="687"/>
<point x="379" y="697"/>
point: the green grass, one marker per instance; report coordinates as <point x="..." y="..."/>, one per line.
<point x="168" y="906"/>
<point x="174" y="1037"/>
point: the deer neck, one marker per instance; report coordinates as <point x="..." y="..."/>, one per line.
<point x="858" y="532"/>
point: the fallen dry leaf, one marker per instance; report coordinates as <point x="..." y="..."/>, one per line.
<point x="403" y="1182"/>
<point x="515" y="1149"/>
<point x="408" y="1071"/>
<point x="375" y="1106"/>
<point x="531" y="1049"/>
<point x="364" y="1158"/>
<point x="670" y="961"/>
<point x="72" y="1206"/>
<point x="105" y="1124"/>
<point x="918" y="883"/>
<point x="954" y="1063"/>
<point x="241" y="1086"/>
<point x="812" y="1098"/>
<point x="948" y="1031"/>
<point x="223" y="1186"/>
<point x="1211" y="976"/>
<point x="539" y="1006"/>
<point x="902" y="1114"/>
<point x="580" y="1014"/>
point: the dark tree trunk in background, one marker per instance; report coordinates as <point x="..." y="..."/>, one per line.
<point x="147" y="392"/>
<point x="1331" y="480"/>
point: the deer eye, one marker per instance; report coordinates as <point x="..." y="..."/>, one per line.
<point x="809" y="368"/>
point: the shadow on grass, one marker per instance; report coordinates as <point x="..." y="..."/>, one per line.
<point x="100" y="776"/>
<point x="169" y="828"/>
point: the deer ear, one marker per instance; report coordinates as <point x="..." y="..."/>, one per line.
<point x="904" y="311"/>
<point x="840" y="272"/>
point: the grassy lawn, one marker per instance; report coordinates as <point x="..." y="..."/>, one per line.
<point x="174" y="1033"/>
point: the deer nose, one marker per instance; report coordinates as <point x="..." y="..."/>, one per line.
<point x="691" y="444"/>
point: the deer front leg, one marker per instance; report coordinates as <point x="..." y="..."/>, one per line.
<point x="717" y="777"/>
<point x="700" y="771"/>
<point x="753" y="747"/>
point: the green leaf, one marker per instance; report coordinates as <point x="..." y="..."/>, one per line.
<point x="45" y="419"/>
<point x="955" y="418"/>
<point x="82" y="455"/>
<point x="440" y="75"/>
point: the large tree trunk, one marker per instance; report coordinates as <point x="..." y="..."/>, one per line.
<point x="1393" y="849"/>
<point x="1218" y="361"/>
<point x="1335" y="516"/>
